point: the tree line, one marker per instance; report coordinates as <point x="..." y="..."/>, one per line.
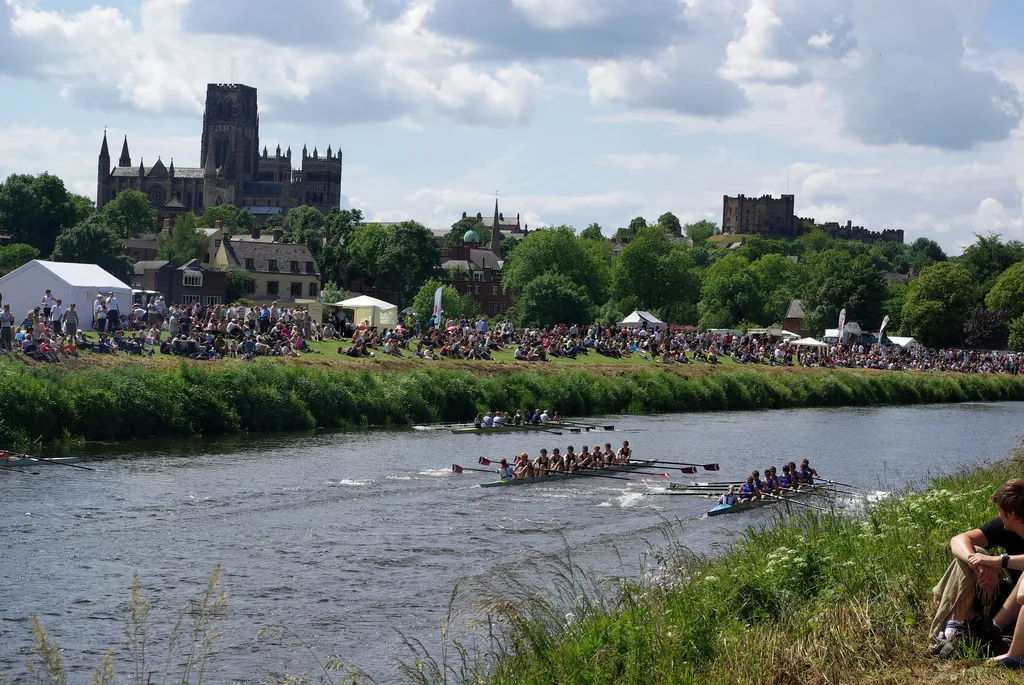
<point x="685" y="274"/>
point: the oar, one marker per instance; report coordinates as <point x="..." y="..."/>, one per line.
<point x="61" y="463"/>
<point x="795" y="501"/>
<point x="8" y="468"/>
<point x="459" y="469"/>
<point x="588" y="426"/>
<point x="706" y="467"/>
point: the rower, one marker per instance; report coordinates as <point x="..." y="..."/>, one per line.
<point x="488" y="420"/>
<point x="624" y="453"/>
<point x="608" y="456"/>
<point x="524" y="469"/>
<point x="786" y="481"/>
<point x="571" y="460"/>
<point x="749" y="491"/>
<point x="557" y="463"/>
<point x="535" y="420"/>
<point x="756" y="481"/>
<point x="506" y="472"/>
<point x="795" y="473"/>
<point x="806" y="472"/>
<point x="498" y="420"/>
<point x="729" y="498"/>
<point x="517" y="420"/>
<point x="478" y="422"/>
<point x="596" y="456"/>
<point x="585" y="460"/>
<point x="542" y="465"/>
<point x="555" y="418"/>
<point x="544" y="416"/>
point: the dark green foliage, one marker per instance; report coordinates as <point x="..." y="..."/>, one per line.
<point x="135" y="402"/>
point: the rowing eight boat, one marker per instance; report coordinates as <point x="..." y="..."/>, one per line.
<point x="507" y="429"/>
<point x="588" y="473"/>
<point x="720" y="509"/>
<point x="21" y="460"/>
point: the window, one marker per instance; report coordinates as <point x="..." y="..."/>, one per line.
<point x="478" y="276"/>
<point x="296" y="289"/>
<point x="494" y="290"/>
<point x="272" y="288"/>
<point x="295" y="266"/>
<point x="310" y="269"/>
<point x="250" y="264"/>
<point x="313" y="289"/>
<point x="210" y="300"/>
<point x="206" y="258"/>
<point x="192" y="279"/>
<point x="216" y="243"/>
<point x="252" y="285"/>
<point x="271" y="265"/>
<point x="476" y="288"/>
<point x="492" y="308"/>
<point x="189" y="299"/>
<point x="504" y="307"/>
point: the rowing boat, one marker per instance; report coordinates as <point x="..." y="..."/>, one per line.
<point x="506" y="429"/>
<point x="720" y="509"/>
<point x="588" y="473"/>
<point x="22" y="460"/>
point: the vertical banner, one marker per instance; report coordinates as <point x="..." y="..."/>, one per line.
<point x="881" y="331"/>
<point x="842" y="323"/>
<point x="437" y="307"/>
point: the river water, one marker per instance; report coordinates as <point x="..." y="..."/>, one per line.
<point x="344" y="537"/>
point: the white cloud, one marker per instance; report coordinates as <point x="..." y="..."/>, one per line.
<point x="821" y="40"/>
<point x="640" y="162"/>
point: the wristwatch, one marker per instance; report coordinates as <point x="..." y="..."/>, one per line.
<point x="1006" y="560"/>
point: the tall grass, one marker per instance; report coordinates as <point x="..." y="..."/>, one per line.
<point x="134" y="401"/>
<point x="818" y="598"/>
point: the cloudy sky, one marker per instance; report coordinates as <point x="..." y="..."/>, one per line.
<point x="891" y="113"/>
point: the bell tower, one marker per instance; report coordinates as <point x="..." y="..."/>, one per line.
<point x="231" y="139"/>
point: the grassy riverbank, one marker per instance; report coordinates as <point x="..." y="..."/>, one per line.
<point x="135" y="400"/>
<point x="819" y="599"/>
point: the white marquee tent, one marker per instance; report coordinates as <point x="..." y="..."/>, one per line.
<point x="809" y="342"/>
<point x="640" y="319"/>
<point x="24" y="287"/>
<point x="371" y="310"/>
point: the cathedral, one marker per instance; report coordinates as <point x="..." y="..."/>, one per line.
<point x="232" y="168"/>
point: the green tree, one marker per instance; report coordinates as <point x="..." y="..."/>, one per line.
<point x="1016" y="340"/>
<point x="671" y="223"/>
<point x="592" y="232"/>
<point x="836" y="280"/>
<point x="468" y="223"/>
<point x="776" y="276"/>
<point x="185" y="243"/>
<point x="14" y="255"/>
<point x="305" y="222"/>
<point x="924" y="252"/>
<point x="656" y="270"/>
<point x="130" y="213"/>
<point x="331" y="293"/>
<point x="1008" y="292"/>
<point x="551" y="299"/>
<point x="332" y="252"/>
<point x="238" y="284"/>
<point x="730" y="294"/>
<point x="757" y="246"/>
<point x="236" y="221"/>
<point x="813" y="240"/>
<point x="938" y="304"/>
<point x="84" y="207"/>
<point x="636" y="224"/>
<point x="986" y="329"/>
<point x="453" y="304"/>
<point x="700" y="231"/>
<point x="894" y="306"/>
<point x="93" y="242"/>
<point x="35" y="209"/>
<point x="988" y="257"/>
<point x="556" y="251"/>
<point x="400" y="257"/>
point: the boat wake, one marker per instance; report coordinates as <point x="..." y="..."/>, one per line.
<point x="346" y="481"/>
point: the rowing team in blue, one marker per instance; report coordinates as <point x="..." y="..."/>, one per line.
<point x="569" y="462"/>
<point x="755" y="488"/>
<point x="494" y="419"/>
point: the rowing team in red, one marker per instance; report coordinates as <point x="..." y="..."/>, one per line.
<point x="755" y="488"/>
<point x="569" y="462"/>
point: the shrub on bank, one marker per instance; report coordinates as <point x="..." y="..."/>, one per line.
<point x="135" y="401"/>
<point x="819" y="598"/>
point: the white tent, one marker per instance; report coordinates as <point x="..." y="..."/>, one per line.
<point x="24" y="287"/>
<point x="851" y="329"/>
<point x="773" y="331"/>
<point x="371" y="310"/>
<point x="902" y="341"/>
<point x="640" y="319"/>
<point x="809" y="342"/>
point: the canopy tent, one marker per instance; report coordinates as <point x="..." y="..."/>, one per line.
<point x="639" y="319"/>
<point x="24" y="287"/>
<point x="850" y="330"/>
<point x="809" y="342"/>
<point x="902" y="341"/>
<point x="371" y="311"/>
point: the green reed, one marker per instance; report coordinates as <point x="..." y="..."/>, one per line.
<point x="133" y="401"/>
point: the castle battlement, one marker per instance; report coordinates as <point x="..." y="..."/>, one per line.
<point x="775" y="218"/>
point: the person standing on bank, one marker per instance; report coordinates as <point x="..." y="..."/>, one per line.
<point x="71" y="322"/>
<point x="113" y="314"/>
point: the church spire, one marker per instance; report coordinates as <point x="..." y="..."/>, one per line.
<point x="496" y="231"/>
<point x="126" y="159"/>
<point x="104" y="151"/>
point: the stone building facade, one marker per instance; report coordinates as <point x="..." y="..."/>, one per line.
<point x="776" y="218"/>
<point x="232" y="168"/>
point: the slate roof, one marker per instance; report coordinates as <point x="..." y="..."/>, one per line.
<point x="796" y="310"/>
<point x="179" y="172"/>
<point x="478" y="260"/>
<point x="146" y="240"/>
<point x="261" y="253"/>
<point x="143" y="266"/>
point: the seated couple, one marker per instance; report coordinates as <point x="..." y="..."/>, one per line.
<point x="975" y="597"/>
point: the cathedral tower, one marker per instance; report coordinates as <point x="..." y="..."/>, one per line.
<point x="102" y="172"/>
<point x="231" y="139"/>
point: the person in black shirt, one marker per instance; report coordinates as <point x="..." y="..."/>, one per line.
<point x="974" y="582"/>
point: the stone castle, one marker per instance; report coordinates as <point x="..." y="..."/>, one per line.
<point x="232" y="169"/>
<point x="776" y="218"/>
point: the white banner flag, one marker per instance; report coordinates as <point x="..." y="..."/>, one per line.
<point x="842" y="323"/>
<point x="437" y="306"/>
<point x="881" y="331"/>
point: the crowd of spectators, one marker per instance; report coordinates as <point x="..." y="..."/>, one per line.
<point x="192" y="330"/>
